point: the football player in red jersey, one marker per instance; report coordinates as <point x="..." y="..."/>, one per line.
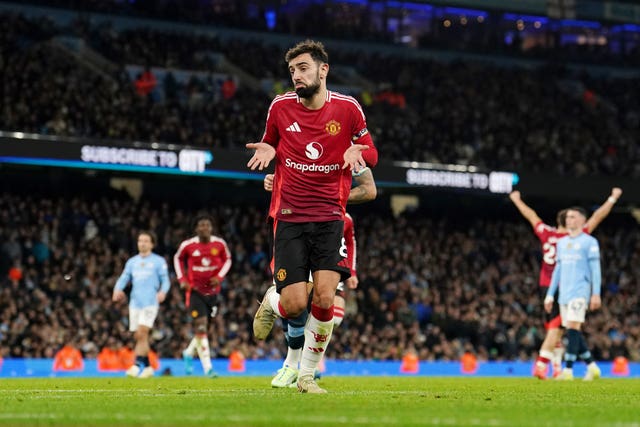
<point x="364" y="191"/>
<point x="208" y="261"/>
<point x="317" y="138"/>
<point x="551" y="348"/>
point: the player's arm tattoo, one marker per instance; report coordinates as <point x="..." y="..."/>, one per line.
<point x="365" y="190"/>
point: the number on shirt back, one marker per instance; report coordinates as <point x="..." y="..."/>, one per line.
<point x="549" y="253"/>
<point x="343" y="248"/>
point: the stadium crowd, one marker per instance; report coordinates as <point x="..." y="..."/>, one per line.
<point x="441" y="285"/>
<point x="373" y="22"/>
<point x="441" y="112"/>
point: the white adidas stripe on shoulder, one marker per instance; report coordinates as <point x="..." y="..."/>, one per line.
<point x="278" y="98"/>
<point x="350" y="99"/>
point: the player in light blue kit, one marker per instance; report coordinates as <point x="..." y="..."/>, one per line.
<point x="149" y="277"/>
<point x="577" y="273"/>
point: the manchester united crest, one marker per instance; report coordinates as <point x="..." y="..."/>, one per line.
<point x="281" y="274"/>
<point x="214" y="251"/>
<point x="332" y="127"/>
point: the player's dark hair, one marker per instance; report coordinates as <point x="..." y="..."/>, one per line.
<point x="561" y="218"/>
<point x="151" y="235"/>
<point x="315" y="49"/>
<point x="202" y="217"/>
<point x="582" y="211"/>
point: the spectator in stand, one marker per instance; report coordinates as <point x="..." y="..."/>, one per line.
<point x="484" y="304"/>
<point x="146" y="83"/>
<point x="68" y="358"/>
<point x="228" y="88"/>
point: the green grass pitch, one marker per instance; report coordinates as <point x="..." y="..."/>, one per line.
<point x="352" y="401"/>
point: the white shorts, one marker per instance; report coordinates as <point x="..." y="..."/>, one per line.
<point x="575" y="311"/>
<point x="144" y="316"/>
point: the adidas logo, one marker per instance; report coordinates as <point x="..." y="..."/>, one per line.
<point x="295" y="127"/>
<point x="196" y="253"/>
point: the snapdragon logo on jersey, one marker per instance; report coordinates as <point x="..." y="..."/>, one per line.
<point x="313" y="151"/>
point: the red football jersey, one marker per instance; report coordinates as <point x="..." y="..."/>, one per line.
<point x="310" y="184"/>
<point x="549" y="237"/>
<point x="204" y="261"/>
<point x="350" y="241"/>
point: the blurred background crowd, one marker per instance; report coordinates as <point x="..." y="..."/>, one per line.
<point x="438" y="284"/>
<point x="169" y="86"/>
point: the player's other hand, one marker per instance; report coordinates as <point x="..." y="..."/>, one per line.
<point x="263" y="155"/>
<point x="268" y="182"/>
<point x="595" y="302"/>
<point x="514" y="196"/>
<point x="160" y="296"/>
<point x="353" y="157"/>
<point x="118" y="296"/>
<point x="616" y="192"/>
<point x="548" y="304"/>
<point x="352" y="282"/>
<point x="214" y="281"/>
<point x="185" y="285"/>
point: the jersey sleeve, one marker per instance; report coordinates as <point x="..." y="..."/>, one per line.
<point x="594" y="249"/>
<point x="271" y="134"/>
<point x="555" y="277"/>
<point x="179" y="259"/>
<point x="361" y="135"/>
<point x="125" y="277"/>
<point x="542" y="231"/>
<point x="226" y="265"/>
<point x="163" y="275"/>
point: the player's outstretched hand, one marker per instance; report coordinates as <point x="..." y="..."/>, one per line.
<point x="160" y="297"/>
<point x="352" y="282"/>
<point x="117" y="296"/>
<point x="263" y="155"/>
<point x="514" y="196"/>
<point x="616" y="192"/>
<point x="353" y="157"/>
<point x="268" y="182"/>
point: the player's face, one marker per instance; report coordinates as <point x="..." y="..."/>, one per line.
<point x="203" y="229"/>
<point x="575" y="220"/>
<point x="306" y="75"/>
<point x="144" y="244"/>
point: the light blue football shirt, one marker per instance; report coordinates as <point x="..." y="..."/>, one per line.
<point x="577" y="269"/>
<point x="148" y="275"/>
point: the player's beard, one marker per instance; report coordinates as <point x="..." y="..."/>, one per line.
<point x="309" y="91"/>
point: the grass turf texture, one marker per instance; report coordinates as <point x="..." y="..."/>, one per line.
<point x="352" y="401"/>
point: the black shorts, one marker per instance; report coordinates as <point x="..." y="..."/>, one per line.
<point x="203" y="305"/>
<point x="300" y="248"/>
<point x="551" y="320"/>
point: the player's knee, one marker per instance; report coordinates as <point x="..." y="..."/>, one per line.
<point x="140" y="335"/>
<point x="293" y="306"/>
<point x="323" y="299"/>
<point x="200" y="326"/>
